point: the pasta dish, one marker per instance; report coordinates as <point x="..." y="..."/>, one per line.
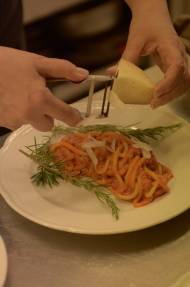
<point x="127" y="167"/>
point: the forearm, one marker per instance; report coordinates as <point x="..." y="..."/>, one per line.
<point x="148" y="6"/>
<point x="152" y="11"/>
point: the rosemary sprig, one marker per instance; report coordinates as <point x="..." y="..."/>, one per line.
<point x="156" y="134"/>
<point x="49" y="173"/>
<point x="143" y="135"/>
<point x="99" y="190"/>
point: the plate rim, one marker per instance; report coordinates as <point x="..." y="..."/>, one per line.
<point x="80" y="230"/>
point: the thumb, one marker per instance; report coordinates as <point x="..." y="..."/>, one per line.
<point x="58" y="68"/>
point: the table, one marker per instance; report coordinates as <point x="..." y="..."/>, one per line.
<point x="41" y="257"/>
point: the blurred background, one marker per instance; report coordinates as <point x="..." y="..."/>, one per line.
<point x="90" y="33"/>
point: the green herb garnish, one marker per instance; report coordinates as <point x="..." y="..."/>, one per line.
<point x="144" y="135"/>
<point x="49" y="173"/>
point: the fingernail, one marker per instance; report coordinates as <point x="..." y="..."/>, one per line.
<point x="77" y="112"/>
<point x="112" y="71"/>
<point x="76" y="117"/>
<point x="154" y="105"/>
<point x="82" y="72"/>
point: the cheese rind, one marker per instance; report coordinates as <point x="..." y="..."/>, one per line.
<point x="132" y="86"/>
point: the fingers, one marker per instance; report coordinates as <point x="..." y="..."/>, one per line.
<point x="171" y="79"/>
<point x="112" y="71"/>
<point x="33" y="116"/>
<point x="10" y="116"/>
<point x="57" y="68"/>
<point x="172" y="59"/>
<point x="60" y="110"/>
<point x="172" y="94"/>
<point x="132" y="53"/>
<point x="133" y="49"/>
<point x="40" y="112"/>
<point x="12" y="125"/>
<point x="174" y="84"/>
<point x="47" y="107"/>
<point x="42" y="123"/>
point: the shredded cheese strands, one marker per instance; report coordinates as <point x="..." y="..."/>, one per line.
<point x="88" y="146"/>
<point x="146" y="149"/>
<point x="92" y="155"/>
<point x="93" y="144"/>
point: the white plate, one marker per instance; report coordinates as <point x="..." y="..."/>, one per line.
<point x="76" y="210"/>
<point x="3" y="262"/>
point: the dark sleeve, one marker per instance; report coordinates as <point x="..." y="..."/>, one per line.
<point x="11" y="29"/>
<point x="11" y="24"/>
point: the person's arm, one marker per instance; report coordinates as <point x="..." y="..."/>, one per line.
<point x="24" y="97"/>
<point x="148" y="4"/>
<point x="152" y="33"/>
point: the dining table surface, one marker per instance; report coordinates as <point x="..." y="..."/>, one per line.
<point x="153" y="257"/>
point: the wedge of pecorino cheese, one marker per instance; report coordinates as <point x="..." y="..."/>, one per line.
<point x="132" y="86"/>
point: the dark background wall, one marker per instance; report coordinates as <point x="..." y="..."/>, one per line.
<point x="91" y="35"/>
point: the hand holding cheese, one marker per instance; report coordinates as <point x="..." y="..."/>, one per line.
<point x="152" y="33"/>
<point x="132" y="86"/>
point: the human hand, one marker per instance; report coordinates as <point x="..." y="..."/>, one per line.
<point x="151" y="33"/>
<point x="24" y="97"/>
